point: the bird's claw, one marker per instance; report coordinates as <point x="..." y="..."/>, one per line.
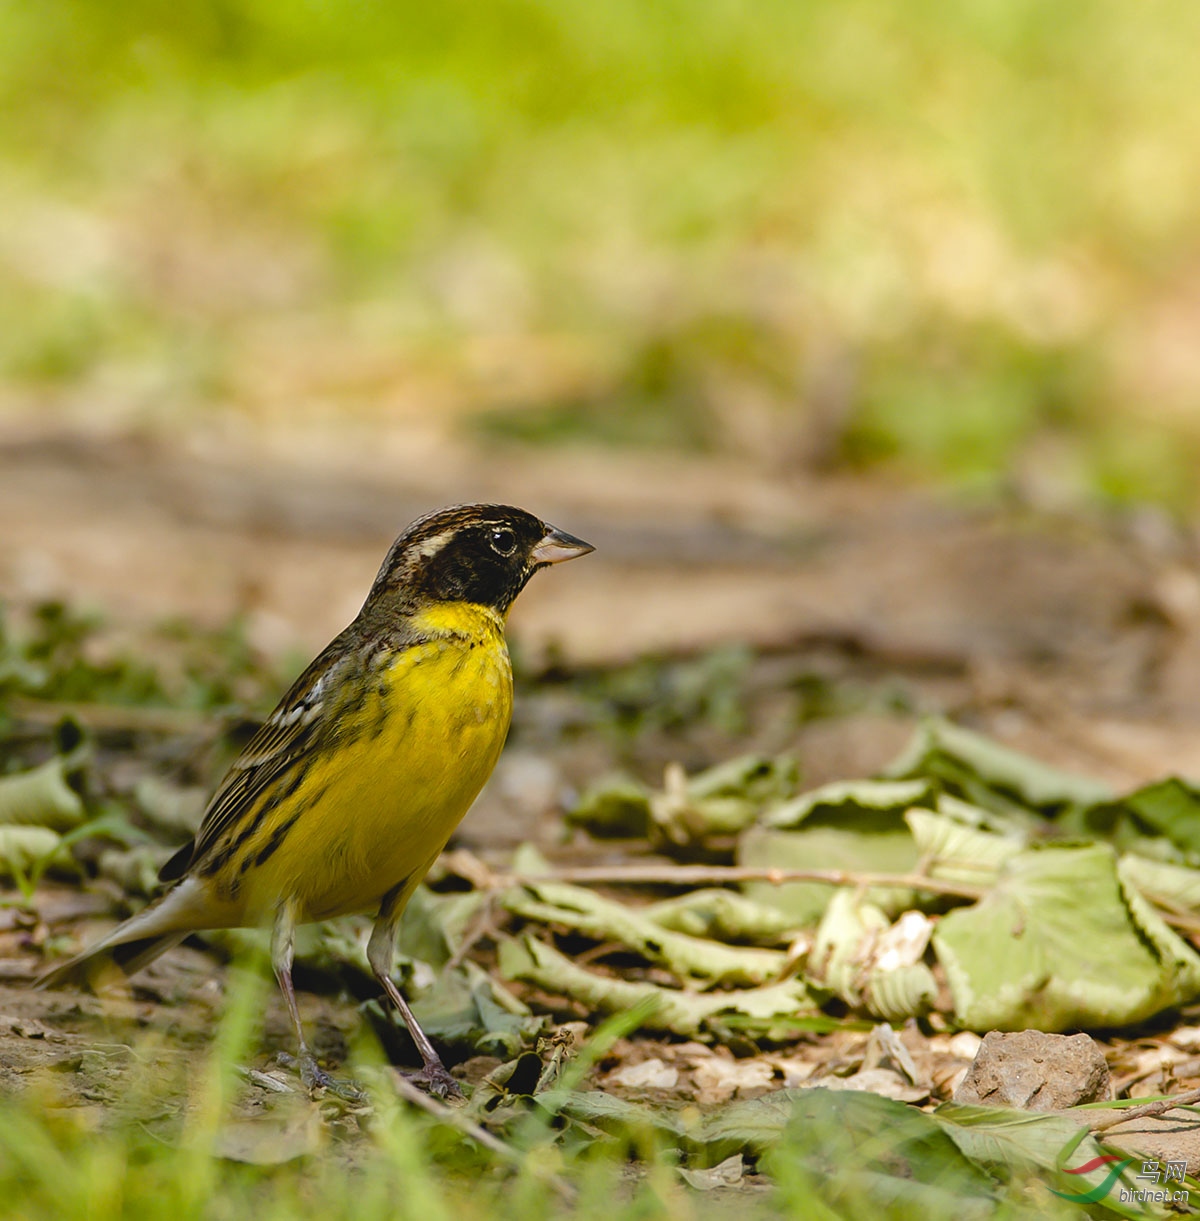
<point x="436" y="1080"/>
<point x="313" y="1077"/>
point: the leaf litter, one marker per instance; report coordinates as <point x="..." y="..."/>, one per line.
<point x="982" y="890"/>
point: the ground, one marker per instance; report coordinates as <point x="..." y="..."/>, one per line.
<point x="724" y="611"/>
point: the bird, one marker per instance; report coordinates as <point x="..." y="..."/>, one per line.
<point x="345" y="797"/>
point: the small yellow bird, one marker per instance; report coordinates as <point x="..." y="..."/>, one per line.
<point x="345" y="797"/>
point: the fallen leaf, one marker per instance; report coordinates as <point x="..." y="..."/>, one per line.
<point x="956" y="852"/>
<point x="650" y="1074"/>
<point x="718" y="1079"/>
<point x="576" y="907"/>
<point x="984" y="772"/>
<point x="966" y="1043"/>
<point x="722" y="914"/>
<point x="886" y="1050"/>
<point x="844" y="798"/>
<point x="793" y="1069"/>
<point x="858" y="840"/>
<point x="24" y="848"/>
<point x="885" y="1082"/>
<point x="685" y="1013"/>
<point x="45" y="796"/>
<point x="1060" y="943"/>
<point x="724" y="1174"/>
<point x="854" y="941"/>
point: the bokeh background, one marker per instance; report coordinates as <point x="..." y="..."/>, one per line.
<point x="698" y="278"/>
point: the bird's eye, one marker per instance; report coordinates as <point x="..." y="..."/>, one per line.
<point x="503" y="541"/>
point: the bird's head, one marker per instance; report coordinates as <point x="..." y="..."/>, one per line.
<point x="482" y="554"/>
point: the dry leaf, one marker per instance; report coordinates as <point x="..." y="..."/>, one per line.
<point x="719" y="1080"/>
<point x="882" y="1081"/>
<point x="650" y="1074"/>
<point x="794" y="1070"/>
<point x="724" y="1174"/>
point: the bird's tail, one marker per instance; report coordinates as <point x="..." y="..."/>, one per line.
<point x="130" y="956"/>
<point x="133" y="944"/>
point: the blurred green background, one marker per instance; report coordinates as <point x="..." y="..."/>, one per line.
<point x="956" y="242"/>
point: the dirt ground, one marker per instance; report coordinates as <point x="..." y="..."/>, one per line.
<point x="1082" y="635"/>
<point x="1076" y="639"/>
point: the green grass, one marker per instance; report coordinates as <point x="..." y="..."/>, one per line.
<point x="955" y="233"/>
<point x="162" y="1154"/>
<point x="166" y="1151"/>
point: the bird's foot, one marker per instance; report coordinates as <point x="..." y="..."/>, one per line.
<point x="314" y="1077"/>
<point x="435" y="1079"/>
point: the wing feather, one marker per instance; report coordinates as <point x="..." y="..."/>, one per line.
<point x="300" y="724"/>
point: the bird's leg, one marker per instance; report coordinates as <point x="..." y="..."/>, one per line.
<point x="380" y="954"/>
<point x="312" y="1075"/>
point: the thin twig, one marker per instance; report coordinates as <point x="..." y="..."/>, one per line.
<point x="456" y="1119"/>
<point x="1111" y="1118"/>
<point x="716" y="875"/>
<point x="447" y="1114"/>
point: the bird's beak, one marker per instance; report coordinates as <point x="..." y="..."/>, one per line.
<point x="557" y="546"/>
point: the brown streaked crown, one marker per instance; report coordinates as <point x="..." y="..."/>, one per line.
<point x="482" y="553"/>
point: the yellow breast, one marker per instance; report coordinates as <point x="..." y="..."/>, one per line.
<point x="411" y="759"/>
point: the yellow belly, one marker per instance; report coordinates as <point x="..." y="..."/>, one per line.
<point x="380" y="809"/>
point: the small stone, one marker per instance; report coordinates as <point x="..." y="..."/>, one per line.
<point x="1034" y="1071"/>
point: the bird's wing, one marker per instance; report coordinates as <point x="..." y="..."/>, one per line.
<point x="304" y="719"/>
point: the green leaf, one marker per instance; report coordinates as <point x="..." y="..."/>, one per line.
<point x="720" y="801"/>
<point x="25" y="850"/>
<point x="757" y="778"/>
<point x="1169" y="807"/>
<point x="611" y="1114"/>
<point x="900" y="993"/>
<point x="881" y="1157"/>
<point x="685" y="1013"/>
<point x="995" y="777"/>
<point x="1175" y="886"/>
<point x="723" y="914"/>
<point x="1059" y="943"/>
<point x="860" y="840"/>
<point x="575" y="907"/>
<point x="848" y="957"/>
<point x="847" y="797"/>
<point x="434" y="925"/>
<point x="45" y="796"/>
<point x="835" y="961"/>
<point x="997" y="1136"/>
<point x="460" y="1008"/>
<point x="955" y="852"/>
<point x="1011" y="1141"/>
<point x="615" y="807"/>
<point x="749" y="1125"/>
